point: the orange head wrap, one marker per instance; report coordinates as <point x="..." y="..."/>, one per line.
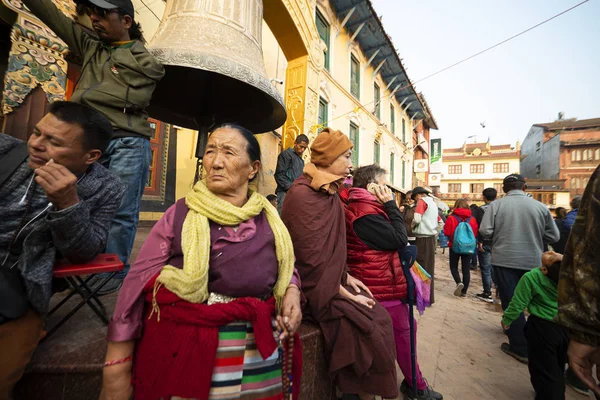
<point x="328" y="146"/>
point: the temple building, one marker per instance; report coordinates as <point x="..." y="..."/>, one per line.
<point x="469" y="169"/>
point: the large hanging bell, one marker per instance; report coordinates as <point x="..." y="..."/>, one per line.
<point x="212" y="53"/>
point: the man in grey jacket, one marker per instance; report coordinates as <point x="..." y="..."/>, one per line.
<point x="518" y="226"/>
<point x="57" y="202"/>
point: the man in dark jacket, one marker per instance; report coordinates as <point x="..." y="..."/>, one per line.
<point x="58" y="200"/>
<point x="118" y="78"/>
<point x="290" y="166"/>
<point x="571" y="215"/>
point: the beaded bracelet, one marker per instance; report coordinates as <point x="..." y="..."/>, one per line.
<point x="115" y="362"/>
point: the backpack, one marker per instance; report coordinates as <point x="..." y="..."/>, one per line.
<point x="464" y="239"/>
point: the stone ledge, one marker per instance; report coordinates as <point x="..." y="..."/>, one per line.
<point x="68" y="366"/>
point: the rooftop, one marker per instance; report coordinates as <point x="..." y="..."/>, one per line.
<point x="482" y="148"/>
<point x="571" y="123"/>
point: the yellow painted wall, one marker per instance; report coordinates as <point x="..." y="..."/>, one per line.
<point x="186" y="161"/>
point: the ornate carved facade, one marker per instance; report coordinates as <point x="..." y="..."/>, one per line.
<point x="36" y="58"/>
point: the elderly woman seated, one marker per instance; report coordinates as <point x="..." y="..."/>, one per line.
<point x="195" y="318"/>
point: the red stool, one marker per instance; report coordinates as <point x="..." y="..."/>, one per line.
<point x="103" y="263"/>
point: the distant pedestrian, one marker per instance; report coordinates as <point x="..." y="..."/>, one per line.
<point x="272" y="199"/>
<point x="518" y="227"/>
<point x="426" y="225"/>
<point x="290" y="166"/>
<point x="484" y="247"/>
<point x="408" y="213"/>
<point x="570" y="217"/>
<point x="561" y="215"/>
<point x="579" y="286"/>
<point x="474" y="209"/>
<point x="461" y="213"/>
<point x="547" y="341"/>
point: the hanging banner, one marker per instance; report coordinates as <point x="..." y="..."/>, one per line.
<point x="435" y="163"/>
<point x="421" y="165"/>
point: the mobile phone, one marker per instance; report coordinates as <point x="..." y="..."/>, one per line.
<point x="371" y="188"/>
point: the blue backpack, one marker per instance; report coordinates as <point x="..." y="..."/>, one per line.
<point x="464" y="239"/>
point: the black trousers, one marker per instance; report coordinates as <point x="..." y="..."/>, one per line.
<point x="547" y="345"/>
<point x="426" y="257"/>
<point x="466" y="269"/>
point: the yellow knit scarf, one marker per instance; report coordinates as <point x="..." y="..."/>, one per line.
<point x="191" y="282"/>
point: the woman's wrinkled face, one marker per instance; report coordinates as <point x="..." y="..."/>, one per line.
<point x="226" y="162"/>
<point x="342" y="165"/>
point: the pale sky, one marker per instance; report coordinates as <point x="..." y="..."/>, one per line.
<point x="528" y="80"/>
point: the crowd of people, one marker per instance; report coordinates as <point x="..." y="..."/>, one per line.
<point x="211" y="307"/>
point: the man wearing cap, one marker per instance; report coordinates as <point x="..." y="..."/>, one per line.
<point x="518" y="227"/>
<point x="426" y="223"/>
<point x="117" y="78"/>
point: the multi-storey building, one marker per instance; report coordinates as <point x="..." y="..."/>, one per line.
<point x="469" y="169"/>
<point x="567" y="150"/>
<point x="365" y="91"/>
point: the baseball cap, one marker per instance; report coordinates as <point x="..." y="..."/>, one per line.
<point x="125" y="5"/>
<point x="514" y="178"/>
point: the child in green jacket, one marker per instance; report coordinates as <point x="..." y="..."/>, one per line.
<point x="547" y="341"/>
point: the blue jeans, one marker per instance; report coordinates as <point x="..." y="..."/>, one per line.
<point x="485" y="263"/>
<point x="507" y="280"/>
<point x="129" y="159"/>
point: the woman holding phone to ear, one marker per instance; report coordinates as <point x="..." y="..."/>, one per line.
<point x="375" y="232"/>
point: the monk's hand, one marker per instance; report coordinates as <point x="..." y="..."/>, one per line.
<point x="357" y="285"/>
<point x="291" y="314"/>
<point x="582" y="358"/>
<point x="59" y="183"/>
<point x="359" y="298"/>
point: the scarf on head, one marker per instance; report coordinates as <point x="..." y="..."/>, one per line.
<point x="191" y="282"/>
<point x="321" y="180"/>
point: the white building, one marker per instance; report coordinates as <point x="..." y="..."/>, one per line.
<point x="469" y="169"/>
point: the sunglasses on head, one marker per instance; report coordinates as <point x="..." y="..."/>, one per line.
<point x="100" y="12"/>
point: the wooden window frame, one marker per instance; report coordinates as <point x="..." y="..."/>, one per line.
<point x="477" y="168"/>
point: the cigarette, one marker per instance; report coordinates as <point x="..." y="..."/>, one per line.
<point x="50" y="161"/>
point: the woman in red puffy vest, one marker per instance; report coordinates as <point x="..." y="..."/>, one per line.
<point x="375" y="232"/>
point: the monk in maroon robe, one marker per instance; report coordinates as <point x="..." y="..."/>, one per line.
<point x="359" y="341"/>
